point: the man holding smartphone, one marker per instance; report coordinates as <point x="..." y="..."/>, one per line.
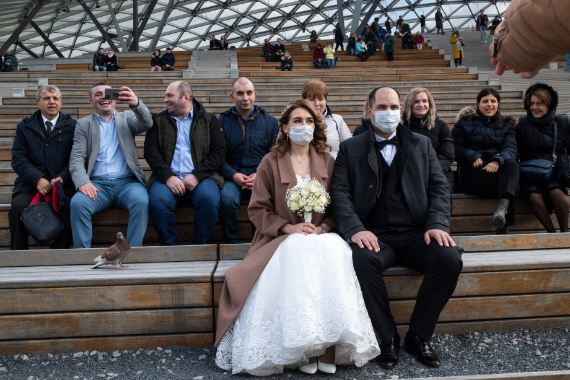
<point x="104" y="166"/>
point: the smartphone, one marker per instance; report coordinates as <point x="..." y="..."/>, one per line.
<point x="112" y="93"/>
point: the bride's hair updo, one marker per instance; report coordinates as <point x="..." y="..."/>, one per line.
<point x="319" y="137"/>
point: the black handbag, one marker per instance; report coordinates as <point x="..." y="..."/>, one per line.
<point x="562" y="168"/>
<point x="41" y="219"/>
<point x="539" y="171"/>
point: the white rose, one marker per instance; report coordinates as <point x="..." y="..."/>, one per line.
<point x="302" y="202"/>
<point x="323" y="200"/>
<point x="294" y="196"/>
<point x="293" y="205"/>
<point x="305" y="192"/>
<point x="314" y="188"/>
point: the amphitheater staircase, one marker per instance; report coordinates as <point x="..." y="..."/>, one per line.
<point x="50" y="301"/>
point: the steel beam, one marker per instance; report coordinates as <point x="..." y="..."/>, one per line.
<point x="356" y="17"/>
<point x="158" y="32"/>
<point x="367" y="17"/>
<point x="46" y="39"/>
<point x="27" y="50"/>
<point x="340" y="4"/>
<point x="117" y="27"/>
<point x="136" y="35"/>
<point x="141" y="28"/>
<point x="101" y="30"/>
<point x="20" y="28"/>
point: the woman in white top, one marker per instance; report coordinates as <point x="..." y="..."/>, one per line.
<point x="316" y="92"/>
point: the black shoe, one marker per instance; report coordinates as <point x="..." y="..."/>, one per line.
<point x="422" y="350"/>
<point x="388" y="358"/>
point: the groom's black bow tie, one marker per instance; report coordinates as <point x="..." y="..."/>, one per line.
<point x="381" y="144"/>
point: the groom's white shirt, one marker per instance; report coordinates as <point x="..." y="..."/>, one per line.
<point x="389" y="151"/>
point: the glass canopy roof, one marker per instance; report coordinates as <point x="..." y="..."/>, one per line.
<point x="188" y="24"/>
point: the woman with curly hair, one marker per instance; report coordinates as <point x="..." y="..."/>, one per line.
<point x="294" y="301"/>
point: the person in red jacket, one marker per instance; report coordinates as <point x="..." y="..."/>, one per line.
<point x="419" y="41"/>
<point x="319" y="57"/>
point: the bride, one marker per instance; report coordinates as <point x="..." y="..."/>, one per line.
<point x="294" y="301"/>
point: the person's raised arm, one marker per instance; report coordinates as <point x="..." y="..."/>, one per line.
<point x="531" y="36"/>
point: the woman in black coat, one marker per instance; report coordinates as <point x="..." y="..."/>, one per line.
<point x="156" y="61"/>
<point x="486" y="151"/>
<point x="535" y="140"/>
<point x="286" y="62"/>
<point x="419" y="104"/>
<point x="111" y="61"/>
<point x="439" y="21"/>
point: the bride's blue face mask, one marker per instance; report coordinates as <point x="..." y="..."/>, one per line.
<point x="301" y="135"/>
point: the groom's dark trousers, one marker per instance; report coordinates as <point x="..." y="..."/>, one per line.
<point x="398" y="203"/>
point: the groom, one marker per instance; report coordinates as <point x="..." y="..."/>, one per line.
<point x="391" y="201"/>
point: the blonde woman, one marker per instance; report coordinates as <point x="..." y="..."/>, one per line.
<point x="286" y="62"/>
<point x="420" y="117"/>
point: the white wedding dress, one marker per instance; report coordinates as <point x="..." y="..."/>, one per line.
<point x="307" y="299"/>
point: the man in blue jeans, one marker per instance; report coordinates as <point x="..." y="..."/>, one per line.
<point x="184" y="148"/>
<point x="482" y="21"/>
<point x="250" y="133"/>
<point x="104" y="165"/>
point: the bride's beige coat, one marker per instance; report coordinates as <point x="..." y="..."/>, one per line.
<point x="268" y="211"/>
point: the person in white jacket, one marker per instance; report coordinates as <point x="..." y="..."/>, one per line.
<point x="316" y="92"/>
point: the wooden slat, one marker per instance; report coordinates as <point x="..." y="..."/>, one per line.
<point x="513" y="242"/>
<point x="105" y="298"/>
<point x="108" y="323"/>
<point x="476" y="284"/>
<point x="482" y="243"/>
<point x="85" y="256"/>
<point x="78" y="275"/>
<point x="472" y="262"/>
<point x="102" y="344"/>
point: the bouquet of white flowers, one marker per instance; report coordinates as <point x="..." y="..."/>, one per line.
<point x="306" y="198"/>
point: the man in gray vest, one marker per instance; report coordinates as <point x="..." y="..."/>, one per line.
<point x="184" y="148"/>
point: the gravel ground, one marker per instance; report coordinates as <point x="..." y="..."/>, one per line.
<point x="467" y="354"/>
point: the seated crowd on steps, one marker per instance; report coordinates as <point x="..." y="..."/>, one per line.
<point x="212" y="163"/>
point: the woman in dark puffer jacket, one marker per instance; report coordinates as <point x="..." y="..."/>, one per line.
<point x="420" y="105"/>
<point x="535" y="139"/>
<point x="486" y="151"/>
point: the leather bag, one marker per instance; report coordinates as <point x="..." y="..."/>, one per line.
<point x="539" y="171"/>
<point x="41" y="219"/>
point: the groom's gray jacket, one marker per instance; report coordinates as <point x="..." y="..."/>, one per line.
<point x="356" y="186"/>
<point x="87" y="138"/>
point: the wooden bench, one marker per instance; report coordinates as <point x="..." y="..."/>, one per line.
<point x="507" y="282"/>
<point x="51" y="301"/>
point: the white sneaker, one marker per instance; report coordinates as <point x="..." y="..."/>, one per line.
<point x="326" y="368"/>
<point x="310" y="368"/>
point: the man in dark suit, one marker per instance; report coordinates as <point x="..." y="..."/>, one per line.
<point x="391" y="201"/>
<point x="40" y="157"/>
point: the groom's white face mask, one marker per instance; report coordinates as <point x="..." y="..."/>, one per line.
<point x="384" y="112"/>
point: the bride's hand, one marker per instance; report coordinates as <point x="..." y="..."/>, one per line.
<point x="301" y="228"/>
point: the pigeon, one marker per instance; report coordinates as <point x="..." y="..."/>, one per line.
<point x="116" y="253"/>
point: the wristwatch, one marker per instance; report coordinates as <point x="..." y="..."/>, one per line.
<point x="324" y="230"/>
